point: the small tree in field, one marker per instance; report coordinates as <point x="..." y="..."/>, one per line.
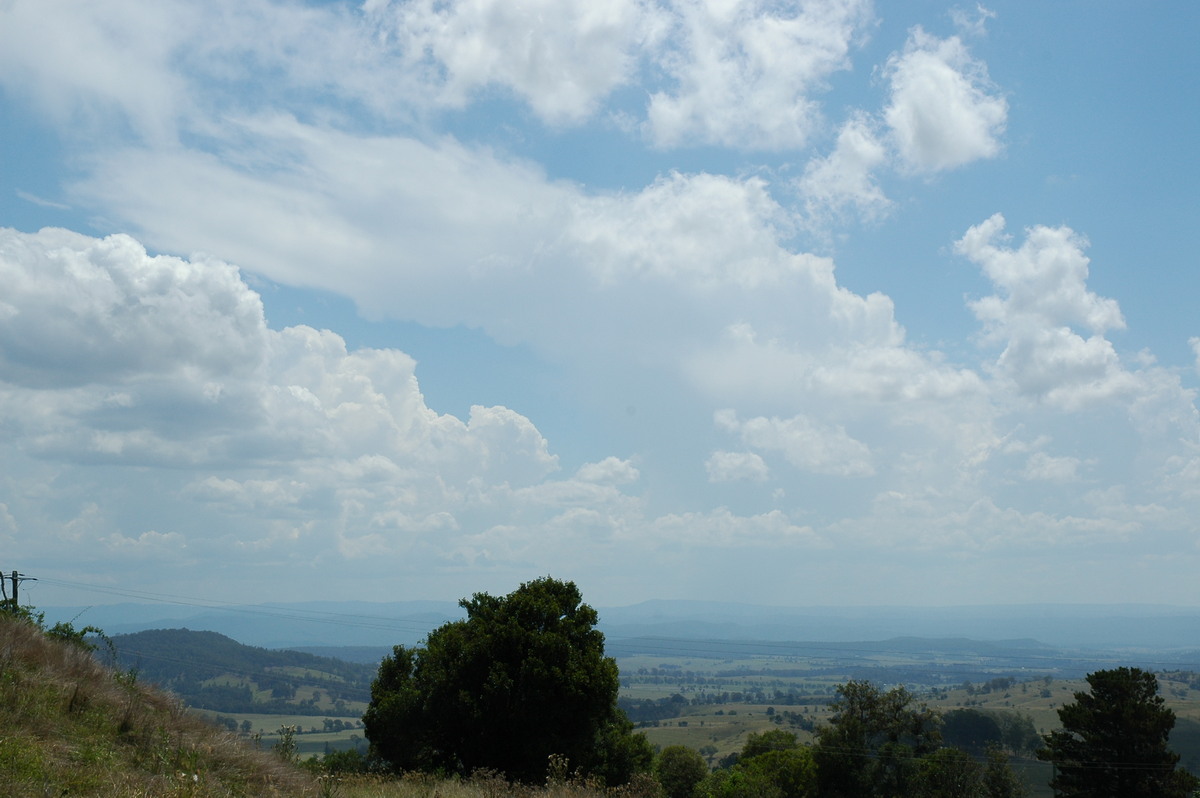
<point x="522" y="678"/>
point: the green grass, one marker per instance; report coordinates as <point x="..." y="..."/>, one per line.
<point x="726" y="732"/>
<point x="265" y="731"/>
<point x="74" y="727"/>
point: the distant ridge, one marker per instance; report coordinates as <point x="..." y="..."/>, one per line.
<point x="187" y="662"/>
<point x="1102" y="626"/>
<point x="292" y="625"/>
<point x="340" y="624"/>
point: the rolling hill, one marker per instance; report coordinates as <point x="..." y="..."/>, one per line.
<point x="210" y="671"/>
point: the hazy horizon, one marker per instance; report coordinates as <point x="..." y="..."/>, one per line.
<point x="356" y="623"/>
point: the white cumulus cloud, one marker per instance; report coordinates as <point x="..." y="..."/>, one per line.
<point x="161" y="360"/>
<point x="721" y="528"/>
<point x="743" y="72"/>
<point x="77" y="310"/>
<point x="806" y="443"/>
<point x="609" y="471"/>
<point x="1042" y="304"/>
<point x="562" y="58"/>
<point x="1042" y="467"/>
<point x="846" y="177"/>
<point x="944" y="112"/>
<point x="736" y="466"/>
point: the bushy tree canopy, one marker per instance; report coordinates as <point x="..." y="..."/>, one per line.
<point x="1113" y="741"/>
<point x="950" y="773"/>
<point x="877" y="744"/>
<point x="771" y="765"/>
<point x="679" y="769"/>
<point x="773" y="740"/>
<point x="524" y="676"/>
<point x="873" y="742"/>
<point x="971" y="730"/>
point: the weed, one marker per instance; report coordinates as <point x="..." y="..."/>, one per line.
<point x="329" y="786"/>
<point x="285" y="748"/>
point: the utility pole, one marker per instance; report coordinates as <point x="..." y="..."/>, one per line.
<point x="17" y="579"/>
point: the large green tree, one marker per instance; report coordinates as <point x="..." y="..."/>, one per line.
<point x="679" y="769"/>
<point x="971" y="730"/>
<point x="522" y="677"/>
<point x="873" y="742"/>
<point x="1113" y="741"/>
<point x="771" y="765"/>
<point x="949" y="773"/>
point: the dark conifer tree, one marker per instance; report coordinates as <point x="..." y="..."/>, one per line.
<point x="1113" y="741"/>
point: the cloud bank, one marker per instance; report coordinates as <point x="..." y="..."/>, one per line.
<point x="399" y="154"/>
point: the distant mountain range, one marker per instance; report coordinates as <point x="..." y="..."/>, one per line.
<point x="1061" y="626"/>
<point x="318" y="625"/>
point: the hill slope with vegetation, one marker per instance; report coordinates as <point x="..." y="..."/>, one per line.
<point x="211" y="671"/>
<point x="72" y="726"/>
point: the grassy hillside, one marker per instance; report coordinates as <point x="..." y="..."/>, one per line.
<point x="71" y="726"/>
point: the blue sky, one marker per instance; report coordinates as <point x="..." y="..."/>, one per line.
<point x="787" y="303"/>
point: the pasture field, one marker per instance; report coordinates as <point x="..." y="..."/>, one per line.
<point x="728" y="699"/>
<point x="721" y="700"/>
<point x="309" y="743"/>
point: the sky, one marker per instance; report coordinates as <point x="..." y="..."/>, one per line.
<point x="789" y="303"/>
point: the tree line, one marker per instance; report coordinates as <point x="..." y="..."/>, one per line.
<point x="522" y="686"/>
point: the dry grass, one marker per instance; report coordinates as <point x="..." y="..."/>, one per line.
<point x="70" y="726"/>
<point x="481" y="785"/>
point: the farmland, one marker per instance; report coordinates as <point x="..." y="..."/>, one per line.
<point x="713" y="703"/>
<point x="709" y="695"/>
